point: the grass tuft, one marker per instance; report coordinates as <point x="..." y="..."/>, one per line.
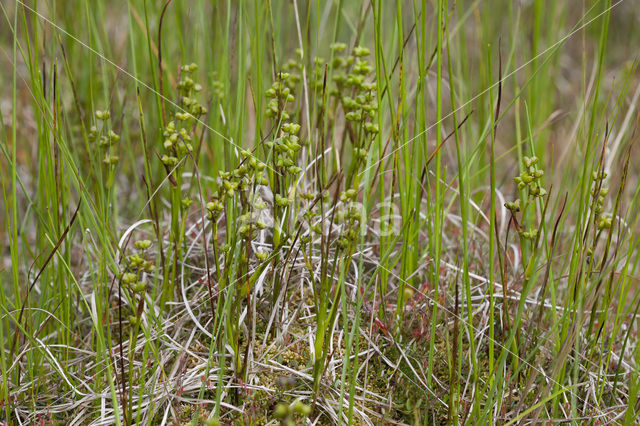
<point x="331" y="212"/>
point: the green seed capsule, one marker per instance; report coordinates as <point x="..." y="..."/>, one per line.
<point x="213" y="421"/>
<point x="513" y="206"/>
<point x="281" y="411"/>
<point x="360" y="51"/>
<point x="169" y="161"/>
<point x="605" y="222"/>
<point x="371" y="128"/>
<point x="102" y="115"/>
<point x="139" y="287"/>
<point x="282" y="201"/>
<point x="354" y="116"/>
<point x="113" y="136"/>
<point x="338" y="47"/>
<point x="261" y="255"/>
<point x="300" y="408"/>
<point x="129" y="278"/>
<point x="143" y="244"/>
<point x="110" y="160"/>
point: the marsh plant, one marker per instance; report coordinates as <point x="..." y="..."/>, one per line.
<point x="319" y="213"/>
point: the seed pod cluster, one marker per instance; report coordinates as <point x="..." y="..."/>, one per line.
<point x="286" y="149"/>
<point x="137" y="265"/>
<point x="279" y="95"/>
<point x="531" y="178"/>
<point x="178" y="132"/>
<point x="598" y="194"/>
<point x="241" y="185"/>
<point x="349" y="215"/>
<point x="106" y="139"/>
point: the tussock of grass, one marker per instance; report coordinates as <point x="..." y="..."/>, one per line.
<point x="341" y="212"/>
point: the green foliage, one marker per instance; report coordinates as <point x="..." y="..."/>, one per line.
<point x="358" y="212"/>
